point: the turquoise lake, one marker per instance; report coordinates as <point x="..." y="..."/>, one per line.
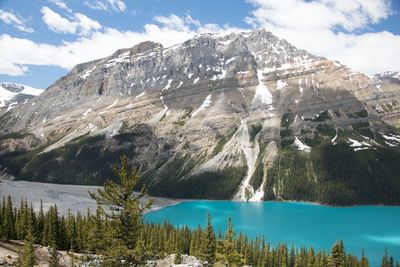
<point x="373" y="228"/>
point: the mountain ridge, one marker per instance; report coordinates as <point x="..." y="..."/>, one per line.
<point x="216" y="116"/>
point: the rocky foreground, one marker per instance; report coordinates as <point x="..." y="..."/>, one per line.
<point x="9" y="251"/>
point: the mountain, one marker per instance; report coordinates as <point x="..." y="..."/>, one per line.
<point x="239" y="116"/>
<point x="12" y="95"/>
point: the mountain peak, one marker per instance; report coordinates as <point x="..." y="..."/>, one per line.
<point x="217" y="103"/>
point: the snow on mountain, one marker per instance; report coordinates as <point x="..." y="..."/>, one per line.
<point x="229" y="105"/>
<point x="12" y="94"/>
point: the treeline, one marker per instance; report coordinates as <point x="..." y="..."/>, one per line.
<point x="335" y="175"/>
<point x="119" y="235"/>
<point x="93" y="234"/>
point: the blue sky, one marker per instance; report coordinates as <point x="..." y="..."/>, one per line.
<point x="42" y="40"/>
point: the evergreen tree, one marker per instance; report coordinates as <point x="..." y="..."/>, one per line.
<point x="72" y="233"/>
<point x="337" y="258"/>
<point x="364" y="260"/>
<point x="40" y="223"/>
<point x="229" y="255"/>
<point x="28" y="258"/>
<point x="126" y="210"/>
<point x="385" y="260"/>
<point x="54" y="256"/>
<point x="51" y="228"/>
<point x="95" y="233"/>
<point x="292" y="256"/>
<point x="8" y="220"/>
<point x="178" y="256"/>
<point x="208" y="246"/>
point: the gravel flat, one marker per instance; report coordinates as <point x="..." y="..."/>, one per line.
<point x="67" y="197"/>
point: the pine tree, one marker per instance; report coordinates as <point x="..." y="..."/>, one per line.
<point x="28" y="258"/>
<point x="54" y="256"/>
<point x="8" y="220"/>
<point x="72" y="234"/>
<point x="126" y="211"/>
<point x="229" y="255"/>
<point x="364" y="260"/>
<point x="385" y="260"/>
<point x="337" y="258"/>
<point x="1" y="217"/>
<point x="178" y="256"/>
<point x="292" y="256"/>
<point x="208" y="245"/>
<point x="95" y="233"/>
<point x="40" y="223"/>
<point x="51" y="227"/>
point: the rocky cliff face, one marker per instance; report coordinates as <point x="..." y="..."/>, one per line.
<point x="244" y="116"/>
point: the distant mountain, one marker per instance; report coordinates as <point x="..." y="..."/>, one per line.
<point x="12" y="95"/>
<point x="238" y="116"/>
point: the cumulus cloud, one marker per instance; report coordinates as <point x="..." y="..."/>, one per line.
<point x="324" y="27"/>
<point x="331" y="28"/>
<point x="107" y="5"/>
<point x="15" y="20"/>
<point x="18" y="53"/>
<point x="80" y="24"/>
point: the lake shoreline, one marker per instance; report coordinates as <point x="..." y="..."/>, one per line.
<point x="68" y="198"/>
<point x="76" y="197"/>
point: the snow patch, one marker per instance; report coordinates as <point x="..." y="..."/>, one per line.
<point x="206" y="104"/>
<point x="140" y="95"/>
<point x="230" y="60"/>
<point x="301" y="146"/>
<point x="262" y="92"/>
<point x="280" y="85"/>
<point x="196" y="80"/>
<point x="392" y="137"/>
<point x="392" y="140"/>
<point x="300" y="87"/>
<point x="112" y="105"/>
<point x="86" y="113"/>
<point x="219" y="76"/>
<point x="88" y="72"/>
<point x="357" y="146"/>
<point x="12" y="105"/>
<point x="334" y="139"/>
<point x="168" y="85"/>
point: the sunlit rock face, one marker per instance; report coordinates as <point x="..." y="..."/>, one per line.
<point x="214" y="105"/>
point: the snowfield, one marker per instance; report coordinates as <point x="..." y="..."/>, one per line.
<point x="7" y="95"/>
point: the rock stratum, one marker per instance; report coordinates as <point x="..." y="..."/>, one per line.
<point x="244" y="116"/>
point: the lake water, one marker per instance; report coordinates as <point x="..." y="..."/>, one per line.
<point x="373" y="228"/>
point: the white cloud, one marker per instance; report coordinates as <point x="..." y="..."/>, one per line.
<point x="173" y="22"/>
<point x="330" y="28"/>
<point x="18" y="53"/>
<point x="79" y="24"/>
<point x="107" y="5"/>
<point x="61" y="4"/>
<point x="367" y="52"/>
<point x="15" y="20"/>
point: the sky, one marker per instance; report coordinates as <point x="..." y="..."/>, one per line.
<point x="41" y="40"/>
